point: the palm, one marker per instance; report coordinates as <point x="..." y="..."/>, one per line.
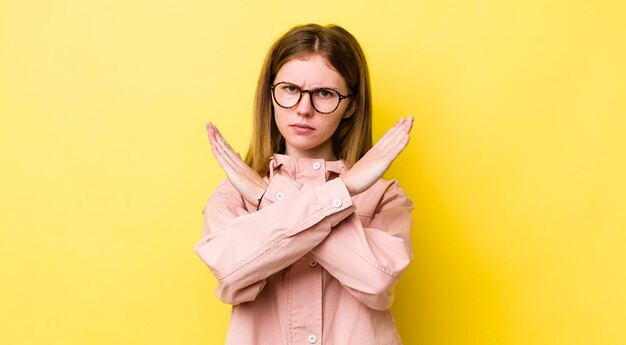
<point x="247" y="181"/>
<point x="378" y="159"/>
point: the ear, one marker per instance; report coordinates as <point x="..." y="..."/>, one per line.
<point x="351" y="109"/>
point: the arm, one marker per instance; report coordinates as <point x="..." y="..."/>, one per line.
<point x="368" y="261"/>
<point x="242" y="248"/>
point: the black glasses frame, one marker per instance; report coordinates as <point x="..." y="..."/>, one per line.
<point x="310" y="92"/>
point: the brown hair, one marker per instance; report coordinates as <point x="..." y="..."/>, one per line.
<point x="353" y="137"/>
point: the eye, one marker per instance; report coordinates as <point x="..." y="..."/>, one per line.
<point x="290" y="88"/>
<point x="325" y="93"/>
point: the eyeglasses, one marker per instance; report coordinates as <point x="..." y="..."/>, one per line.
<point x="324" y="100"/>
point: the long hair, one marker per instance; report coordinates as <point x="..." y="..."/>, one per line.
<point x="353" y="137"/>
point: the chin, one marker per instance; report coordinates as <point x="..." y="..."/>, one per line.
<point x="303" y="143"/>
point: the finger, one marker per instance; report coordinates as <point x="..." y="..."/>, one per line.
<point x="219" y="136"/>
<point x="401" y="143"/>
<point x="395" y="130"/>
<point x="211" y="134"/>
<point x="226" y="153"/>
<point x="234" y="157"/>
<point x="222" y="154"/>
<point x="233" y="160"/>
<point x="409" y="124"/>
<point x="404" y="128"/>
<point x="395" y="143"/>
<point x="210" y="128"/>
<point x="217" y="150"/>
<point x="404" y="136"/>
<point x="398" y="139"/>
<point x="218" y="143"/>
<point x="225" y="149"/>
<point x="224" y="144"/>
<point x="212" y="140"/>
<point x="225" y="162"/>
<point x="220" y="159"/>
<point x="391" y="135"/>
<point x="392" y="130"/>
<point x="382" y="144"/>
<point x="241" y="176"/>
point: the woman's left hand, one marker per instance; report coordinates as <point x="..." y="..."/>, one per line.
<point x="367" y="170"/>
<point x="247" y="181"/>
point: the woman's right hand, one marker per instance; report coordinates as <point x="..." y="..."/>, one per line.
<point x="247" y="181"/>
<point x="377" y="160"/>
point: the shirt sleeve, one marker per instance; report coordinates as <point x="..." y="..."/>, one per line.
<point x="368" y="261"/>
<point x="243" y="248"/>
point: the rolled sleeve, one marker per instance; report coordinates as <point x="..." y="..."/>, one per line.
<point x="243" y="248"/>
<point x="369" y="260"/>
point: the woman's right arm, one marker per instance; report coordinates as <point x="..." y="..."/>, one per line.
<point x="243" y="248"/>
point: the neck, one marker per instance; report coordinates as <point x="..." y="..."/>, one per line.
<point x="325" y="153"/>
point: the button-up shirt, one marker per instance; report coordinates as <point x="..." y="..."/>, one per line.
<point x="313" y="265"/>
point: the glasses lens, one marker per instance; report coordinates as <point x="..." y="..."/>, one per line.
<point x="286" y="95"/>
<point x="325" y="100"/>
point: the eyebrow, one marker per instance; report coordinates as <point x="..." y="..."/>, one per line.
<point x="316" y="88"/>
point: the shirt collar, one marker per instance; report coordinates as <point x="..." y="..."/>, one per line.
<point x="291" y="163"/>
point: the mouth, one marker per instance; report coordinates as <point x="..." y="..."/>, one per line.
<point x="302" y="126"/>
<point x="302" y="129"/>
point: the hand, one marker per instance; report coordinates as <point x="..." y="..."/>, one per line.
<point x="377" y="160"/>
<point x="247" y="181"/>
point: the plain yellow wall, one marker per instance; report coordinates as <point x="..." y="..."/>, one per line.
<point x="516" y="165"/>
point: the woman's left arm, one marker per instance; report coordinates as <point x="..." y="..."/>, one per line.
<point x="368" y="260"/>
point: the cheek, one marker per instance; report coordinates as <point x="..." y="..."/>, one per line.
<point x="343" y="108"/>
<point x="279" y="120"/>
<point x="330" y="127"/>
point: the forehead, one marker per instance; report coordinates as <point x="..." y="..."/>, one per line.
<point x="309" y="72"/>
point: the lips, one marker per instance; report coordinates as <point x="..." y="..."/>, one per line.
<point x="301" y="125"/>
<point x="302" y="129"/>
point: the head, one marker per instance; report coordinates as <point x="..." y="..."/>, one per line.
<point x="340" y="51"/>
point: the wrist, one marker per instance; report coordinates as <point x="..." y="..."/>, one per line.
<point x="345" y="182"/>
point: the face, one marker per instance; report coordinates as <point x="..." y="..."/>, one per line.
<point x="308" y="133"/>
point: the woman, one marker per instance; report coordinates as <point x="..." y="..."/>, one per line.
<point x="305" y="238"/>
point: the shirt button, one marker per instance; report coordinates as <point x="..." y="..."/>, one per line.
<point x="280" y="196"/>
<point x="337" y="203"/>
<point x="317" y="165"/>
<point x="312" y="263"/>
<point x="312" y="339"/>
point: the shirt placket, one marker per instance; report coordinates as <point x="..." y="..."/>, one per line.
<point x="306" y="278"/>
<point x="306" y="302"/>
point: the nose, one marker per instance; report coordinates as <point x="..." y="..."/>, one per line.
<point x="305" y="107"/>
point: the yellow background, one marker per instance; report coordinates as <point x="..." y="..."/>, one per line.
<point x="516" y="165"/>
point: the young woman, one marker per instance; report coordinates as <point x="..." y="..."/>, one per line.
<point x="304" y="237"/>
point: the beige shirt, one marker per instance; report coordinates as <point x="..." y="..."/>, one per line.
<point x="312" y="266"/>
